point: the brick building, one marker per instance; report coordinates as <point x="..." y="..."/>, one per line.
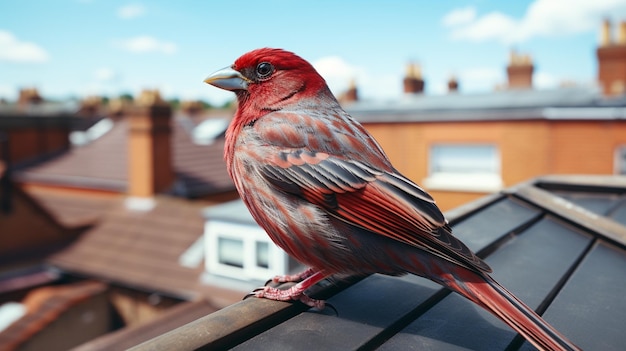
<point x="462" y="146"/>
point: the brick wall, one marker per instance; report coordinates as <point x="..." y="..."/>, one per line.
<point x="527" y="148"/>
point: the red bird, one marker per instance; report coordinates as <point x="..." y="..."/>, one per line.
<point x="325" y="192"/>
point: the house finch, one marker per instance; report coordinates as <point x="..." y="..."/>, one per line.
<point x="325" y="192"/>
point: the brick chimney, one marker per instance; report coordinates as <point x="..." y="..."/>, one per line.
<point x="612" y="60"/>
<point x="453" y="85"/>
<point x="192" y="107"/>
<point x="520" y="71"/>
<point x="29" y="96"/>
<point x="413" y="82"/>
<point x="150" y="151"/>
<point x="90" y="106"/>
<point x="351" y="95"/>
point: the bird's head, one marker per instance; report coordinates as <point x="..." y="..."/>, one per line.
<point x="266" y="80"/>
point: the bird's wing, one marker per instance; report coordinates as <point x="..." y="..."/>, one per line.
<point x="378" y="201"/>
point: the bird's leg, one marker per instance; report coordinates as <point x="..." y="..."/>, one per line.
<point x="293" y="277"/>
<point x="296" y="292"/>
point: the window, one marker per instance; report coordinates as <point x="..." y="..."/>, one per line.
<point x="464" y="167"/>
<point x="230" y="252"/>
<point x="620" y="160"/>
<point x="262" y="254"/>
<point x="242" y="251"/>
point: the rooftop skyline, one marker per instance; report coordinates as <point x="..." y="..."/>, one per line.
<point x="76" y="48"/>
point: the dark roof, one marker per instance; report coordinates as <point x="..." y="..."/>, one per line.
<point x="39" y="232"/>
<point x="558" y="243"/>
<point x="140" y="249"/>
<point x="172" y="318"/>
<point x="74" y="209"/>
<point x="103" y="165"/>
<point x="46" y="109"/>
<point x="521" y="104"/>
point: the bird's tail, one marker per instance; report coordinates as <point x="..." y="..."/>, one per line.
<point x="503" y="304"/>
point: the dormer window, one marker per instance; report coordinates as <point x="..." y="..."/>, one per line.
<point x="236" y="247"/>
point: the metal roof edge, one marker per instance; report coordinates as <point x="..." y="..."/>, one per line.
<point x="570" y="212"/>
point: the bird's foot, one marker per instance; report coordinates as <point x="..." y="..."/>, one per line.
<point x="306" y="279"/>
<point x="292" y="277"/>
<point x="295" y="293"/>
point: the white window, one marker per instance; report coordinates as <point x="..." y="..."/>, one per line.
<point x="620" y="160"/>
<point x="464" y="167"/>
<point x="242" y="251"/>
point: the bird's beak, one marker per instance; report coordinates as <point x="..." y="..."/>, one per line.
<point x="228" y="79"/>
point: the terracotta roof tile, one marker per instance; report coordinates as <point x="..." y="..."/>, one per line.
<point x="140" y="249"/>
<point x="73" y="209"/>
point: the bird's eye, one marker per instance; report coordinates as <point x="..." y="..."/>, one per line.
<point x="264" y="69"/>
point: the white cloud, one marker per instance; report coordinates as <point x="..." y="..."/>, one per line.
<point x="543" y="18"/>
<point x="105" y="74"/>
<point x="338" y="73"/>
<point x="459" y="16"/>
<point x="131" y="11"/>
<point x="143" y="44"/>
<point x="14" y="50"/>
<point x="494" y="25"/>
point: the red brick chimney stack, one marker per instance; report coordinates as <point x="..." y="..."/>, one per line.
<point x="612" y="60"/>
<point x="453" y="85"/>
<point x="520" y="71"/>
<point x="413" y="82"/>
<point x="28" y="96"/>
<point x="351" y="95"/>
<point x="90" y="106"/>
<point x="150" y="152"/>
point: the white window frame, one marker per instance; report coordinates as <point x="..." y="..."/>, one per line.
<point x="483" y="182"/>
<point x="619" y="162"/>
<point x="249" y="235"/>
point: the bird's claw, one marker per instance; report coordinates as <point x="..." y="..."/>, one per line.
<point x="290" y="294"/>
<point x="253" y="293"/>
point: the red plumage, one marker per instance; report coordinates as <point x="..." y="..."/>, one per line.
<point x="325" y="191"/>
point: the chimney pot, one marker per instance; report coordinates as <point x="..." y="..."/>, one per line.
<point x="621" y="38"/>
<point x="605" y="33"/>
<point x="520" y="71"/>
<point x="453" y="85"/>
<point x="413" y="82"/>
<point x="29" y="96"/>
<point x="352" y="94"/>
<point x="612" y="61"/>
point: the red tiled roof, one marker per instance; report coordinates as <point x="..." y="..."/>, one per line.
<point x="73" y="209"/>
<point x="44" y="306"/>
<point x="103" y="165"/>
<point x="140" y="249"/>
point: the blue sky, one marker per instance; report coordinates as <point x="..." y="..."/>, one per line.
<point x="84" y="47"/>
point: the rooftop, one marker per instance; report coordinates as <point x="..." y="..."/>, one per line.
<point x="43" y="307"/>
<point x="514" y="104"/>
<point x="558" y="243"/>
<point x="140" y="249"/>
<point x="103" y="164"/>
